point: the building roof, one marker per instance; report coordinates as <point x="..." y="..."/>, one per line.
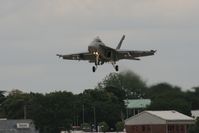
<point x="137" y="103"/>
<point x="170" y="115"/>
<point x="16" y="126"/>
<point x="159" y="117"/>
<point x="195" y="113"/>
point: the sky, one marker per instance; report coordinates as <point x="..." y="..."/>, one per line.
<point x="32" y="32"/>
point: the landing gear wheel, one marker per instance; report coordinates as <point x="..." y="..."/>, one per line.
<point x="94" y="68"/>
<point x="117" y="68"/>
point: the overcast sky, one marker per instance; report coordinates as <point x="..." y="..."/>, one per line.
<point x="32" y="32"/>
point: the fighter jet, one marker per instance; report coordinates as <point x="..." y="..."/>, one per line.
<point x="98" y="53"/>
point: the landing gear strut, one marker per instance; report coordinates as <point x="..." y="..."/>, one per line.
<point x="97" y="61"/>
<point x="115" y="66"/>
<point x="94" y="68"/>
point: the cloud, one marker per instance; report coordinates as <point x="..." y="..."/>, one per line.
<point x="33" y="31"/>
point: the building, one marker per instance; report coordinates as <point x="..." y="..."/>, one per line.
<point x="195" y="114"/>
<point x="158" y="122"/>
<point x="135" y="106"/>
<point x="17" y="126"/>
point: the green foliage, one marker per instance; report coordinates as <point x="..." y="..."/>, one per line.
<point x="162" y="90"/>
<point x="194" y="128"/>
<point x="14" y="105"/>
<point x="2" y="99"/>
<point x="103" y="126"/>
<point x="193" y="97"/>
<point x="86" y="127"/>
<point x="133" y="86"/>
<point x="118" y="92"/>
<point x="50" y="112"/>
<point x="167" y="97"/>
<point x="54" y="111"/>
<point x="2" y="94"/>
<point x="119" y="126"/>
<point x="104" y="103"/>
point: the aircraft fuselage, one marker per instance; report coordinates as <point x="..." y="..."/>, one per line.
<point x="98" y="48"/>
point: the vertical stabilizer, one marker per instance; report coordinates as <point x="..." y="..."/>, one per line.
<point x="120" y="43"/>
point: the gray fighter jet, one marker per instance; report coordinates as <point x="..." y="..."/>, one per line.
<point x="98" y="53"/>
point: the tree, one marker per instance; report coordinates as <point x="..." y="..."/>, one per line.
<point x="166" y="97"/>
<point x="118" y="92"/>
<point x="14" y="105"/>
<point x="162" y="90"/>
<point x="119" y="126"/>
<point x="128" y="81"/>
<point x="194" y="128"/>
<point x="193" y="97"/>
<point x="103" y="102"/>
<point x="2" y="99"/>
<point x="103" y="126"/>
<point x="86" y="127"/>
<point x="2" y="93"/>
<point x="52" y="112"/>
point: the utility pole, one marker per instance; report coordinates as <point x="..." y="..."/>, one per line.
<point x="25" y="111"/>
<point x="77" y="120"/>
<point x="74" y="120"/>
<point x="127" y="111"/>
<point x="83" y="114"/>
<point x="94" y="116"/>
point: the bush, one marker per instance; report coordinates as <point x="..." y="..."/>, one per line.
<point x="103" y="126"/>
<point x="86" y="127"/>
<point x="119" y="126"/>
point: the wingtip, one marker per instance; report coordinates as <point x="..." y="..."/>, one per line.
<point x="154" y="51"/>
<point x="59" y="55"/>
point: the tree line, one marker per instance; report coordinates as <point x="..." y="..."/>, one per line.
<point x="103" y="105"/>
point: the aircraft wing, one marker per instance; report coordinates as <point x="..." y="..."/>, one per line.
<point x="133" y="55"/>
<point x="79" y="56"/>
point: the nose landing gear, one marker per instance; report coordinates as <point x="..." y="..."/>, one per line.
<point x="116" y="67"/>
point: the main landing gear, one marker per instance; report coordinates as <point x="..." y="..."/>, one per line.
<point x="116" y="67"/>
<point x="94" y="68"/>
<point x="98" y="62"/>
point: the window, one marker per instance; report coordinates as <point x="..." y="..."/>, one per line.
<point x="148" y="128"/>
<point x="136" y="128"/>
<point x="177" y="128"/>
<point x="170" y="128"/>
<point x="143" y="128"/>
<point x="182" y="128"/>
<point x="133" y="128"/>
